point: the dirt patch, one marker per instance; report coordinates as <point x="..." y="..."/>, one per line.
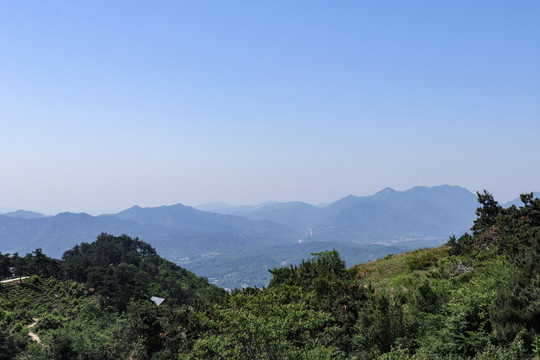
<point x="33" y="335"/>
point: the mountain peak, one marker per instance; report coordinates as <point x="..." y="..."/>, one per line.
<point x="72" y="215"/>
<point x="25" y="214"/>
<point x="386" y="190"/>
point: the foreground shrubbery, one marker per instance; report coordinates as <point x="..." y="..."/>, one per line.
<point x="476" y="298"/>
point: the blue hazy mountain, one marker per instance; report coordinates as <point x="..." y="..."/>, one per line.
<point x="517" y="201"/>
<point x="178" y="231"/>
<point x="295" y="214"/>
<point x="56" y="233"/>
<point x="418" y="213"/>
<point x="25" y="214"/>
<point x="188" y="218"/>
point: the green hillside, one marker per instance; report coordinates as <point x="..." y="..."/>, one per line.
<point x="475" y="298"/>
<point x="94" y="303"/>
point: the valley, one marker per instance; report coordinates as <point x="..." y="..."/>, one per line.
<point x="236" y="246"/>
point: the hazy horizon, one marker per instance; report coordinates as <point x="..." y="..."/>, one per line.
<point x="106" y="105"/>
<point x="4" y="209"/>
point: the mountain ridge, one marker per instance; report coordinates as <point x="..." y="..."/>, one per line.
<point x="418" y="217"/>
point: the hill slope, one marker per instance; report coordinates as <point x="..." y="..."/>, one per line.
<point x="475" y="298"/>
<point x="95" y="303"/>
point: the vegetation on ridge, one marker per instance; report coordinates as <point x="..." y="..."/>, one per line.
<point x="475" y="298"/>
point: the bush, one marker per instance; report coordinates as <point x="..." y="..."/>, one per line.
<point x="422" y="260"/>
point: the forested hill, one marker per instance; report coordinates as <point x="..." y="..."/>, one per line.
<point x="474" y="298"/>
<point x="118" y="268"/>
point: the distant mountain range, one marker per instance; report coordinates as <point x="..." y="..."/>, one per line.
<point x="235" y="245"/>
<point x="176" y="230"/>
<point x="418" y="213"/>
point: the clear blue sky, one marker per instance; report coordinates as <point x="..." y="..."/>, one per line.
<point x="107" y="104"/>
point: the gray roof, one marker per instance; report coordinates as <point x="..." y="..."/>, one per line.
<point x="157" y="300"/>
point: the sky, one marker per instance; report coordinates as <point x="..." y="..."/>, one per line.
<point x="108" y="104"/>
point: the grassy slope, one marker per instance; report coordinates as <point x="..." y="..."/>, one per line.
<point x="401" y="270"/>
<point x="448" y="274"/>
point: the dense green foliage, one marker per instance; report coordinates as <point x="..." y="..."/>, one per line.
<point x="94" y="303"/>
<point x="475" y="298"/>
<point x="118" y="268"/>
<point x="121" y="268"/>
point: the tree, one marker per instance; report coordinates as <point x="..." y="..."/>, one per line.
<point x="274" y="324"/>
<point x="486" y="214"/>
<point x="5" y="266"/>
<point x="517" y="305"/>
<point x="144" y="327"/>
<point x="380" y="324"/>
